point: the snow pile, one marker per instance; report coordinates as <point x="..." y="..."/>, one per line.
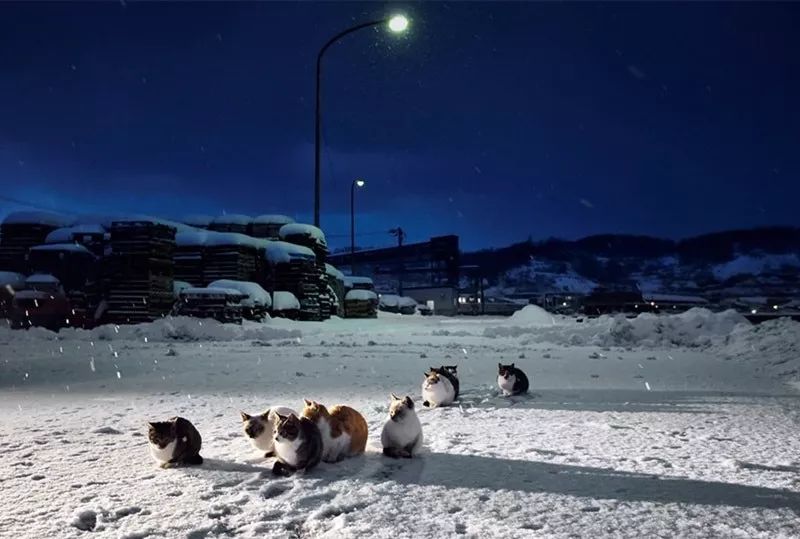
<point x="273" y="219"/>
<point x="281" y="252"/>
<point x="256" y="296"/>
<point x="392" y="301"/>
<point x="284" y="301"/>
<point x="334" y="272"/>
<point x="41" y="278"/>
<point x="775" y="343"/>
<point x="361" y="295"/>
<point x="67" y="234"/>
<point x="38" y="218"/>
<point x="533" y="315"/>
<point x="300" y="229"/>
<point x="754" y="265"/>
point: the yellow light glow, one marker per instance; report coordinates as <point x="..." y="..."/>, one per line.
<point x="398" y="23"/>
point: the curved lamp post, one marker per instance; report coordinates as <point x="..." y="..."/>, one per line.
<point x="356" y="183"/>
<point x="396" y="24"/>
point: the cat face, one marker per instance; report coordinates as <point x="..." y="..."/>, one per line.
<point x="287" y="428"/>
<point x="453" y="369"/>
<point x="505" y="370"/>
<point x="431" y="378"/>
<point x="255" y="425"/>
<point x="314" y="410"/>
<point x="399" y="407"/>
<point x="161" y="433"/>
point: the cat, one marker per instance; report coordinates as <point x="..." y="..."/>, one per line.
<point x="297" y="445"/>
<point x="260" y="429"/>
<point x="512" y="381"/>
<point x="451" y="373"/>
<point x="437" y="390"/>
<point x="402" y="433"/>
<point x="175" y="442"/>
<point x="344" y="430"/>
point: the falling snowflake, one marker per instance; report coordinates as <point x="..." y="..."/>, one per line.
<point x="119" y="374"/>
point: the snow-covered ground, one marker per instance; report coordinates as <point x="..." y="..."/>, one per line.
<point x="655" y="427"/>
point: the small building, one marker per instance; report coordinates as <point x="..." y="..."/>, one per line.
<point x="443" y="300"/>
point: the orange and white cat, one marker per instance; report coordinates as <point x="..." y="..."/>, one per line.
<point x="344" y="430"/>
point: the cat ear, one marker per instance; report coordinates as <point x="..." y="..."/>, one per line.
<point x="265" y="415"/>
<point x="409" y="402"/>
<point x="151" y="425"/>
<point x="395" y="397"/>
<point x="245" y="417"/>
<point x="292" y="417"/>
<point x="308" y="402"/>
<point x="281" y="417"/>
<point x="512" y="365"/>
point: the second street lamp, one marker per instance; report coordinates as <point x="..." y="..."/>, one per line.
<point x="356" y="183"/>
<point x="396" y="24"/>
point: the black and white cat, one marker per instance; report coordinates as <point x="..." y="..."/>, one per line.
<point x="402" y="433"/>
<point x="451" y="373"/>
<point x="175" y="442"/>
<point x="260" y="429"/>
<point x="437" y="390"/>
<point x="512" y="381"/>
<point x="297" y="445"/>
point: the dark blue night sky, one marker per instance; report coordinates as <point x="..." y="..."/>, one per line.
<point x="492" y="121"/>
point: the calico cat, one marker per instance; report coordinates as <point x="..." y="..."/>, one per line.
<point x="344" y="430"/>
<point x="402" y="433"/>
<point x="451" y="373"/>
<point x="437" y="390"/>
<point x="175" y="442"/>
<point x="297" y="445"/>
<point x="512" y="381"/>
<point x="260" y="429"/>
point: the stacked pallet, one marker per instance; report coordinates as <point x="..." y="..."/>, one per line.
<point x="22" y="230"/>
<point x="313" y="238"/>
<point x="233" y="222"/>
<point x="230" y="256"/>
<point x="197" y="221"/>
<point x="361" y="304"/>
<point x="335" y="289"/>
<point x="256" y="302"/>
<point x="92" y="236"/>
<point x="189" y="257"/>
<point x="293" y="268"/>
<point x="221" y="304"/>
<point x="140" y="271"/>
<point x="269" y="226"/>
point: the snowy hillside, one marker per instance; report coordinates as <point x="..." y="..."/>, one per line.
<point x="651" y="427"/>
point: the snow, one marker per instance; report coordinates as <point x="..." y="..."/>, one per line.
<point x="233" y="219"/>
<point x="350" y="281"/>
<point x="73" y="247"/>
<point x="361" y="295"/>
<point x="334" y="272"/>
<point x="272" y="219"/>
<point x="66" y="234"/>
<point x="198" y="220"/>
<point x="178" y="286"/>
<point x="256" y="296"/>
<point x="41" y="278"/>
<point x="533" y="315"/>
<point x="284" y="301"/>
<point x="211" y="291"/>
<point x="219" y="239"/>
<point x="281" y="252"/>
<point x="392" y="300"/>
<point x="753" y="264"/>
<point x="38" y="218"/>
<point x="11" y="279"/>
<point x="709" y="451"/>
<point x="300" y="229"/>
<point x="192" y="238"/>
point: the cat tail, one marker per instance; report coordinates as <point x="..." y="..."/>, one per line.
<point x="195" y="460"/>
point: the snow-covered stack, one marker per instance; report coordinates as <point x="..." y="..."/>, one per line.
<point x="255" y="302"/>
<point x="293" y="268"/>
<point x="197" y="220"/>
<point x="189" y="257"/>
<point x="233" y="222"/>
<point x="230" y="255"/>
<point x="335" y="289"/>
<point x="140" y="271"/>
<point x="313" y="238"/>
<point x="92" y="236"/>
<point x="10" y="283"/>
<point x="22" y="230"/>
<point x="222" y="304"/>
<point x="360" y="300"/>
<point x="269" y="226"/>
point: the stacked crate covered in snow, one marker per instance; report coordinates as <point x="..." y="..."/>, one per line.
<point x="222" y="304"/>
<point x="233" y="222"/>
<point x="22" y="230"/>
<point x="313" y="238"/>
<point x="230" y="256"/>
<point x="197" y="220"/>
<point x="140" y="271"/>
<point x="360" y="300"/>
<point x="92" y="236"/>
<point x="269" y="226"/>
<point x="189" y="256"/>
<point x="293" y="268"/>
<point x="335" y="289"/>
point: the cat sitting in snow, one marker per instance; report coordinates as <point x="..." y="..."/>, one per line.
<point x="451" y="373"/>
<point x="402" y="434"/>
<point x="344" y="430"/>
<point x="260" y="429"/>
<point x="512" y="381"/>
<point x="437" y="390"/>
<point x="175" y="442"/>
<point x="298" y="445"/>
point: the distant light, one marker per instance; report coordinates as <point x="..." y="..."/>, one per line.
<point x="652" y="303"/>
<point x="398" y="23"/>
<point x="564" y="304"/>
<point x="753" y="311"/>
<point x="360" y="183"/>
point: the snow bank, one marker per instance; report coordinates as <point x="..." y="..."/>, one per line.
<point x="281" y="252"/>
<point x="256" y="296"/>
<point x="300" y="229"/>
<point x="284" y="301"/>
<point x="361" y="295"/>
<point x="533" y="315"/>
<point x="38" y="218"/>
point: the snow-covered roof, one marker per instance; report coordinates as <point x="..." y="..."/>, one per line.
<point x="300" y="229"/>
<point x="284" y="301"/>
<point x="38" y="218"/>
<point x="361" y="295"/>
<point x="42" y="278"/>
<point x="12" y="279"/>
<point x="352" y="280"/>
<point x="333" y="271"/>
<point x="232" y="219"/>
<point x="66" y="234"/>
<point x="281" y="252"/>
<point x="74" y="247"/>
<point x="197" y="220"/>
<point x="256" y="295"/>
<point x="273" y="219"/>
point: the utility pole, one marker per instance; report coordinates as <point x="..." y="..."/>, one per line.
<point x="401" y="235"/>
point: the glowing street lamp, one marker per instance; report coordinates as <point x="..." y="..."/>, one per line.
<point x="356" y="183"/>
<point x="396" y="24"/>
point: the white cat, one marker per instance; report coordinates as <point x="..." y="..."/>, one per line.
<point x="402" y="433"/>
<point x="259" y="428"/>
<point x="437" y="390"/>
